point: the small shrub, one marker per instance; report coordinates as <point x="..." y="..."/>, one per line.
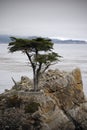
<point x="31" y="107"/>
<point x="13" y="101"/>
<point x="26" y="126"/>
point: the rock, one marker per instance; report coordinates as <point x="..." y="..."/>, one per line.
<point x="78" y="78"/>
<point x="25" y="84"/>
<point x="67" y="86"/>
<point x="6" y="90"/>
<point x="62" y="104"/>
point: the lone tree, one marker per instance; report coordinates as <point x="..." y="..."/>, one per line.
<point x="39" y="52"/>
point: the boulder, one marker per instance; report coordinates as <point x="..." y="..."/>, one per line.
<point x="78" y="78"/>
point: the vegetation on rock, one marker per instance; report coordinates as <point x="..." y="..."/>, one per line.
<point x="13" y="101"/>
<point x="31" y="107"/>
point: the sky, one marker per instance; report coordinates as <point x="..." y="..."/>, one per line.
<point x="65" y="19"/>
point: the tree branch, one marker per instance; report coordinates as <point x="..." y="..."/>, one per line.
<point x="29" y="57"/>
<point x="45" y="68"/>
<point x="39" y="68"/>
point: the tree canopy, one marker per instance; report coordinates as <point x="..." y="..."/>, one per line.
<point x="39" y="52"/>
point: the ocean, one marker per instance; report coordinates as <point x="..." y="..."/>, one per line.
<point x="16" y="65"/>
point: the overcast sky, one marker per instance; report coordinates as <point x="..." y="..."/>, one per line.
<point x="52" y="18"/>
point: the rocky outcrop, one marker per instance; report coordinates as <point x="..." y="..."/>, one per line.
<point x="59" y="105"/>
<point x="25" y="84"/>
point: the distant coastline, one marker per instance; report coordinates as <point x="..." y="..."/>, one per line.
<point x="6" y="39"/>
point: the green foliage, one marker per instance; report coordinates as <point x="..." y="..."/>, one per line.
<point x="13" y="101"/>
<point x="18" y="44"/>
<point x="31" y="107"/>
<point x="38" y="44"/>
<point x="47" y="58"/>
<point x="33" y="47"/>
<point x="39" y="53"/>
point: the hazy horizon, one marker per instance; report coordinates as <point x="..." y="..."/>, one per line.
<point x="27" y="36"/>
<point x="64" y="19"/>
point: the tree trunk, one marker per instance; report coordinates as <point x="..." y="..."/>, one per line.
<point x="36" y="76"/>
<point x="35" y="81"/>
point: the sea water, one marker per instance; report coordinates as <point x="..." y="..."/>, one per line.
<point x="16" y="64"/>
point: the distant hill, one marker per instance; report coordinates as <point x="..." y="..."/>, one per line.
<point x="69" y="41"/>
<point x="6" y="39"/>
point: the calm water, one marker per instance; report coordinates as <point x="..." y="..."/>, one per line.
<point x="15" y="65"/>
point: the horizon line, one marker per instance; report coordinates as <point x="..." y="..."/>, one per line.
<point x="52" y="37"/>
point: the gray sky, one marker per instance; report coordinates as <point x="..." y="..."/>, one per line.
<point x="52" y="18"/>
